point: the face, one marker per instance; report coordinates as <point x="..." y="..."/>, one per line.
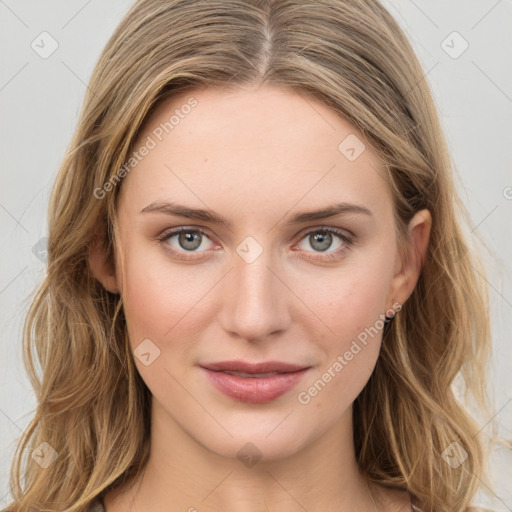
<point x="222" y="266"/>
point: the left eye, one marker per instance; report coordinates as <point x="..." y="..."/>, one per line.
<point x="321" y="240"/>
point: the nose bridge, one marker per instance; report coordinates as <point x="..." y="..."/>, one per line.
<point x="254" y="304"/>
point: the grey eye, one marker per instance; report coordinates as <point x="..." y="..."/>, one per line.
<point x="188" y="240"/>
<point x="322" y="240"/>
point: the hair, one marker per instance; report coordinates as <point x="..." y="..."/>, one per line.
<point x="93" y="407"/>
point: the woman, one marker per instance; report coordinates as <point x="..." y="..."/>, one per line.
<point x="258" y="293"/>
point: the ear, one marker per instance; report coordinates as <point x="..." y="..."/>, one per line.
<point x="101" y="266"/>
<point x="408" y="267"/>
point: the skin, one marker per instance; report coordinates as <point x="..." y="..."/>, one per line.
<point x="256" y="156"/>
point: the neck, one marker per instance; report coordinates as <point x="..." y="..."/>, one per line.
<point x="182" y="475"/>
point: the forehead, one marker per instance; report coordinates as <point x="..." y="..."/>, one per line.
<point x="265" y="148"/>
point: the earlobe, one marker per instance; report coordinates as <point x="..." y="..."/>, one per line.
<point x="100" y="267"/>
<point x="410" y="265"/>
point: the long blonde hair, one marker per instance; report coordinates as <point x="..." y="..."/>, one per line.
<point x="93" y="407"/>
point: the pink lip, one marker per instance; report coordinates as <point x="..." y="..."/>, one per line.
<point x="256" y="390"/>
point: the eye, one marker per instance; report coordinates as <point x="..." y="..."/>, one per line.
<point x="329" y="241"/>
<point x="186" y="240"/>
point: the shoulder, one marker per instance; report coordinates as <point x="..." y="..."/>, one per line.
<point x="414" y="508"/>
<point x="95" y="506"/>
<point x="469" y="509"/>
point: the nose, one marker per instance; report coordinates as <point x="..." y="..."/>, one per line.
<point x="254" y="299"/>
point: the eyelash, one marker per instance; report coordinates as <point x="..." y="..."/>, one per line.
<point x="348" y="242"/>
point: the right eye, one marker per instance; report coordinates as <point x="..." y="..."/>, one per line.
<point x="185" y="240"/>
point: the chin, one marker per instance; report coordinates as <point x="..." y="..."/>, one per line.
<point x="259" y="438"/>
<point x="254" y="449"/>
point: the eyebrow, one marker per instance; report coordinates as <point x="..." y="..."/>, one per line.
<point x="211" y="217"/>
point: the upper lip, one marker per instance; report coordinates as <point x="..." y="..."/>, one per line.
<point x="246" y="367"/>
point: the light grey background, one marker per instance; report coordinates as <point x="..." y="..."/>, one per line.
<point x="39" y="104"/>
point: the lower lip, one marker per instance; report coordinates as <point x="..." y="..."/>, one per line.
<point x="254" y="390"/>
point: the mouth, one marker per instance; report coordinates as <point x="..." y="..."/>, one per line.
<point x="245" y="374"/>
<point x="255" y="383"/>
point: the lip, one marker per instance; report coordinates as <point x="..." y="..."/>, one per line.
<point x="257" y="389"/>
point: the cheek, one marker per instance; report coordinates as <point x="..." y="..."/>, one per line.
<point x="348" y="301"/>
<point x="159" y="298"/>
<point x="168" y="307"/>
<point x="352" y="306"/>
